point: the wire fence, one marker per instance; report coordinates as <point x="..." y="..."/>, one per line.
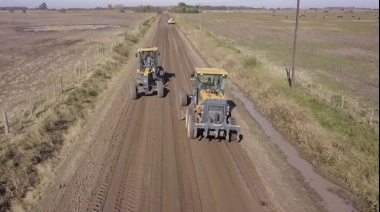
<point x="50" y="89"/>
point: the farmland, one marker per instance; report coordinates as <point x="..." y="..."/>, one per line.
<point x="54" y="67"/>
<point x="28" y="58"/>
<point x="332" y="115"/>
<point x="339" y="53"/>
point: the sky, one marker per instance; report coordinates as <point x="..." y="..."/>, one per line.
<point x="252" y="3"/>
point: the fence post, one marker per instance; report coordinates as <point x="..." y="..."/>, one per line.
<point x="21" y="118"/>
<point x="72" y="79"/>
<point x="370" y="121"/>
<point x="46" y="92"/>
<point x="54" y="90"/>
<point x="61" y="83"/>
<point x="6" y="126"/>
<point x="30" y="106"/>
<point x="342" y="101"/>
<point x="356" y="108"/>
<point x="66" y="80"/>
<point x="40" y="98"/>
<point x="86" y="65"/>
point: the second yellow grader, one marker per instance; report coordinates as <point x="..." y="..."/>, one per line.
<point x="209" y="113"/>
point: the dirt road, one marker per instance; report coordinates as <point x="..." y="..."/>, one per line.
<point x="138" y="158"/>
<point x="158" y="168"/>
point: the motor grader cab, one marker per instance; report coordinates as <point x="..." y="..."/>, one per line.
<point x="149" y="78"/>
<point x="208" y="113"/>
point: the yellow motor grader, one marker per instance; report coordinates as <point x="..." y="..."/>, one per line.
<point x="208" y="113"/>
<point x="149" y="77"/>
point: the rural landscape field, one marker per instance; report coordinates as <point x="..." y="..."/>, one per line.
<point x="38" y="45"/>
<point x="73" y="137"/>
<point x="333" y="114"/>
<point x="45" y="54"/>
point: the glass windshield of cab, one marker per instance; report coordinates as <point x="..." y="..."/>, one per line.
<point x="212" y="82"/>
<point x="148" y="58"/>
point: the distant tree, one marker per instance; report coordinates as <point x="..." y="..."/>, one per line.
<point x="181" y="4"/>
<point x="147" y="9"/>
<point x="120" y="7"/>
<point x="110" y="7"/>
<point x="43" y="6"/>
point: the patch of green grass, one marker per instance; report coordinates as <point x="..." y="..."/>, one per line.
<point x="362" y="137"/>
<point x="250" y="62"/>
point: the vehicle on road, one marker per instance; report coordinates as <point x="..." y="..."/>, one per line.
<point x="150" y="77"/>
<point x="209" y="112"/>
<point x="171" y="20"/>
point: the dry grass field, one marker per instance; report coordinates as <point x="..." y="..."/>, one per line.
<point x="27" y="58"/>
<point x="31" y="151"/>
<point x="341" y="53"/>
<point x="332" y="115"/>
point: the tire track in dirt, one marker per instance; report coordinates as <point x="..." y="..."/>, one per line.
<point x="109" y="164"/>
<point x="190" y="193"/>
<point x="187" y="67"/>
<point x="132" y="157"/>
<point x="129" y="193"/>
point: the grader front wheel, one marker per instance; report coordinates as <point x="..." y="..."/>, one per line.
<point x="133" y="91"/>
<point x="183" y="97"/>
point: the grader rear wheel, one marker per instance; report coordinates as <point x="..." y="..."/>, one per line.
<point x="160" y="89"/>
<point x="186" y="117"/>
<point x="192" y="130"/>
<point x="189" y="112"/>
<point x="233" y="134"/>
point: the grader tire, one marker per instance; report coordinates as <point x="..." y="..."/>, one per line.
<point x="192" y="130"/>
<point x="189" y="112"/>
<point x="133" y="91"/>
<point x="183" y="97"/>
<point x="186" y="117"/>
<point x="162" y="75"/>
<point x="233" y="134"/>
<point x="160" y="89"/>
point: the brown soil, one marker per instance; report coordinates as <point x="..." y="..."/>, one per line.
<point x="27" y="59"/>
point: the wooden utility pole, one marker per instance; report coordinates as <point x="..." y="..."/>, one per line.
<point x="293" y="84"/>
<point x="200" y="19"/>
